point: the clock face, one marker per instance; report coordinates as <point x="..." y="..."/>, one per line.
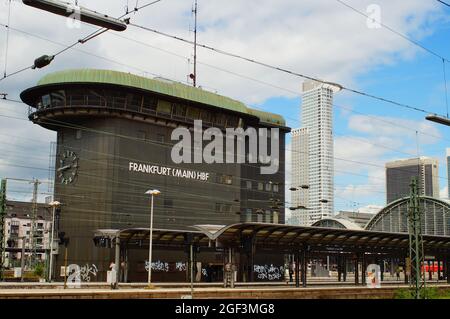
<point x="68" y="167"/>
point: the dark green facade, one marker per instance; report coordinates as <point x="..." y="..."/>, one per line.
<point x="106" y="121"/>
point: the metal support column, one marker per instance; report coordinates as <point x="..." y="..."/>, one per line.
<point x="297" y="268"/>
<point x="444" y="266"/>
<point x="125" y="254"/>
<point x="344" y="270"/>
<point x="191" y="268"/>
<point x="339" y="267"/>
<point x="407" y="266"/>
<point x="304" y="267"/>
<point x="117" y="263"/>
<point x="416" y="251"/>
<point x="22" y="259"/>
<point x="2" y="225"/>
<point x="363" y="269"/>
<point x="356" y="270"/>
<point x="252" y="261"/>
<point x="430" y="270"/>
<point x="391" y="267"/>
<point x="447" y="269"/>
<point x="438" y="269"/>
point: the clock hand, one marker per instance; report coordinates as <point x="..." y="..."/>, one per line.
<point x="63" y="168"/>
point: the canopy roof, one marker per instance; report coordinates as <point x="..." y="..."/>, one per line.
<point x="283" y="237"/>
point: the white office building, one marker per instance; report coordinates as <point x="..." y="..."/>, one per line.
<point x="314" y="145"/>
<point x="299" y="159"/>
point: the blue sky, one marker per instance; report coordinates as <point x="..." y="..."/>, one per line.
<point x="320" y="38"/>
<point x="417" y="81"/>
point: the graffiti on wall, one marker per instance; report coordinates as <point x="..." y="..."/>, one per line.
<point x="162" y="266"/>
<point x="158" y="266"/>
<point x="77" y="274"/>
<point x="269" y="272"/>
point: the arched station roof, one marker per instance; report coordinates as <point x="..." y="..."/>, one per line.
<point x="393" y="218"/>
<point x="340" y="223"/>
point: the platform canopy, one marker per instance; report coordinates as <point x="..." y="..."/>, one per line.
<point x="279" y="237"/>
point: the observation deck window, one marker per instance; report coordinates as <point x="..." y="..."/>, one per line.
<point x="164" y="107"/>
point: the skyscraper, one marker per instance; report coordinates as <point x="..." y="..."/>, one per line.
<point x="315" y="141"/>
<point x="400" y="172"/>
<point x="300" y="176"/>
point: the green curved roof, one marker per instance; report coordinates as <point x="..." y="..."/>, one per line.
<point x="267" y="117"/>
<point x="168" y="88"/>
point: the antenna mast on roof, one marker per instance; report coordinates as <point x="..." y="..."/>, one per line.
<point x="193" y="76"/>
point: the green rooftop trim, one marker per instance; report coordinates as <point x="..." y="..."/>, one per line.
<point x="267" y="117"/>
<point x="168" y="88"/>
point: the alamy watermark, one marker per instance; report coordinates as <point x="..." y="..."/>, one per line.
<point x="73" y="21"/>
<point x="373" y="16"/>
<point x="236" y="146"/>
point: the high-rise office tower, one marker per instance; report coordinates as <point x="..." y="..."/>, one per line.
<point x="448" y="172"/>
<point x="299" y="159"/>
<point x="399" y="174"/>
<point x="315" y="138"/>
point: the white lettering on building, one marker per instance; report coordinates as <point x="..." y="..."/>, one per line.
<point x="167" y="171"/>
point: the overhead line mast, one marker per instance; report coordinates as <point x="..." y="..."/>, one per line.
<point x="194" y="75"/>
<point x="34" y="217"/>
<point x="416" y="251"/>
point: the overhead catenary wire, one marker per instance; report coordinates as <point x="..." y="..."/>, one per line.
<point x="70" y="125"/>
<point x="445" y="86"/>
<point x="91" y="191"/>
<point x="66" y="124"/>
<point x="7" y="39"/>
<point x="280" y="69"/>
<point x="444" y="59"/>
<point x="83" y="40"/>
<point x="359" y="140"/>
<point x="444" y="3"/>
<point x="350" y="173"/>
<point x="58" y="123"/>
<point x="269" y="66"/>
<point x="405" y="37"/>
<point x="216" y="68"/>
<point x="287" y="71"/>
<point x="83" y="51"/>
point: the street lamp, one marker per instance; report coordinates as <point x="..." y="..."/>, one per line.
<point x="81" y="13"/>
<point x="298" y="207"/>
<point x="152" y="192"/>
<point x="54" y="205"/>
<point x="438" y="119"/>
<point x="301" y="186"/>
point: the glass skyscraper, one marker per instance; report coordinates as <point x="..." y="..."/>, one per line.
<point x="312" y="154"/>
<point x="399" y="174"/>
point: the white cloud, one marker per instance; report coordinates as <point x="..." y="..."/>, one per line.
<point x="383" y="139"/>
<point x="319" y="38"/>
<point x="388" y="128"/>
<point x="314" y="37"/>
